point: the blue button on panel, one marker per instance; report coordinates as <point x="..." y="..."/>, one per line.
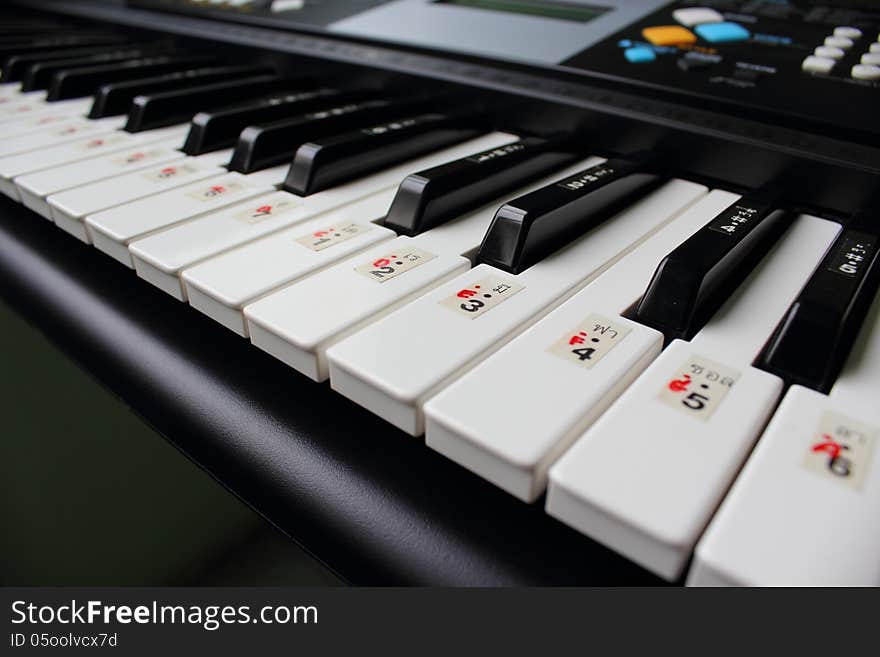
<point x="639" y="55"/>
<point x="722" y="32"/>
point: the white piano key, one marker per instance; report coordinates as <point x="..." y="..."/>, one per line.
<point x="59" y="133"/>
<point x="166" y="254"/>
<point x="647" y="476"/>
<point x="25" y="110"/>
<point x="512" y="415"/>
<point x="111" y="230"/>
<point x="804" y="510"/>
<point x="9" y="90"/>
<point x="70" y="207"/>
<point x="34" y="188"/>
<point x="394" y="366"/>
<point x="349" y="297"/>
<point x="29" y="123"/>
<point x="306" y="246"/>
<point x="80" y="149"/>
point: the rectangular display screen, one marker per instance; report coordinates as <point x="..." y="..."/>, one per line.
<point x="560" y="10"/>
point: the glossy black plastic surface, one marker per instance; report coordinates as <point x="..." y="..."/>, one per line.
<point x="814" y="338"/>
<point x="694" y="279"/>
<point x="86" y="81"/>
<point x="533" y="226"/>
<point x="431" y="197"/>
<point x="114" y="99"/>
<point x="263" y="146"/>
<point x="15" y="66"/>
<point x="333" y="160"/>
<point x="39" y="75"/>
<point x="170" y="107"/>
<point x="220" y="128"/>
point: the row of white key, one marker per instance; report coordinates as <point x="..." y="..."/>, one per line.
<point x="357" y="291"/>
<point x="514" y="414"/>
<point x="646" y="478"/>
<point x="395" y="365"/>
<point x="804" y="509"/>
<point x="250" y="271"/>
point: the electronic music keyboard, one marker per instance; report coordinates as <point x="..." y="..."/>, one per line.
<point x="464" y="292"/>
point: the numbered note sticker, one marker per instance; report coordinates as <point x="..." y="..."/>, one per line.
<point x="98" y="143"/>
<point x="477" y="299"/>
<point x="169" y="172"/>
<point x="138" y="157"/>
<point x="213" y="191"/>
<point x="332" y="235"/>
<point x="698" y="387"/>
<point x="590" y="341"/>
<point x="841" y="449"/>
<point x="260" y="212"/>
<point x="394" y="264"/>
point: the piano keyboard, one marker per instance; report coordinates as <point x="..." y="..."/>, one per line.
<point x="683" y="372"/>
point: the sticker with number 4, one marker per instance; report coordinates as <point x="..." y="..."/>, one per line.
<point x="331" y="235"/>
<point x="698" y="387"/>
<point x="590" y="341"/>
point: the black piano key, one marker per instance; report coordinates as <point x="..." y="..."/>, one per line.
<point x="80" y="82"/>
<point x="694" y="279"/>
<point x="220" y="128"/>
<point x="333" y="160"/>
<point x="15" y="66"/>
<point x="114" y="99"/>
<point x="170" y="107"/>
<point x="23" y="46"/>
<point x="39" y="76"/>
<point x="263" y="146"/>
<point x="814" y="338"/>
<point x="531" y="227"/>
<point x="429" y="198"/>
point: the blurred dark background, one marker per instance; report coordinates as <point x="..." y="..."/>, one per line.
<point x="93" y="496"/>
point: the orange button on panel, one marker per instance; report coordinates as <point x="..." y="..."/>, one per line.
<point x="668" y="35"/>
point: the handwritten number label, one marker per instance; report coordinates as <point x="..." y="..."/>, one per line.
<point x="386" y="267"/>
<point x="698" y="387"/>
<point x="840" y="449"/>
<point x="170" y="172"/>
<point x="213" y="191"/>
<point x="331" y="235"/>
<point x="261" y="211"/>
<point x="590" y="341"/>
<point x="477" y="299"/>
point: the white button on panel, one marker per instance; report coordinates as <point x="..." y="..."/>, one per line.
<point x="80" y="149"/>
<point x="678" y="435"/>
<point x="111" y="230"/>
<point x="871" y="58"/>
<point x="394" y="366"/>
<point x="829" y="53"/>
<point x="804" y="509"/>
<point x="34" y="188"/>
<point x="695" y="15"/>
<point x="59" y="133"/>
<point x="813" y="64"/>
<point x="848" y="32"/>
<point x="839" y="42"/>
<point x="540" y="413"/>
<point x="865" y="72"/>
<point x="184" y="246"/>
<point x="71" y="206"/>
<point x="362" y="290"/>
<point x="306" y="247"/>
